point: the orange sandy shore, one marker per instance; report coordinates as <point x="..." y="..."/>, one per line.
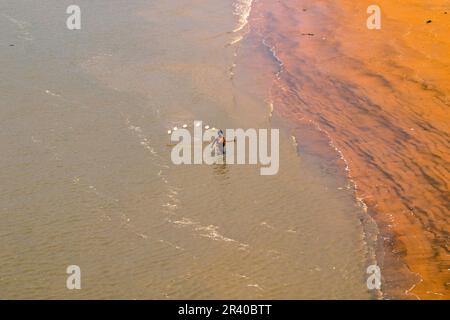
<point x="382" y="98"/>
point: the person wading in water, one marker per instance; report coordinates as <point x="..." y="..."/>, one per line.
<point x="220" y="143"/>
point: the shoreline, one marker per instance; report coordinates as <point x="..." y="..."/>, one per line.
<point x="412" y="258"/>
<point x="329" y="156"/>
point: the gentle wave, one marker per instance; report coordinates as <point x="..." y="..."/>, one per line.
<point x="242" y="9"/>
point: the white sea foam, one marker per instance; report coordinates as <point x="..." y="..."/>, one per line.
<point x="143" y="140"/>
<point x="236" y="40"/>
<point x="255" y="285"/>
<point x="183" y="222"/>
<point x="52" y="93"/>
<point x="171" y="244"/>
<point x="273" y="51"/>
<point x="270" y="109"/>
<point x="265" y="224"/>
<point x="210" y="231"/>
<point x="242" y="9"/>
<point x="23" y="27"/>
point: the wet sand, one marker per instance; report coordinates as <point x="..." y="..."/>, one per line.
<point x="381" y="99"/>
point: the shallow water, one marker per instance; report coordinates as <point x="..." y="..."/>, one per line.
<point x="86" y="176"/>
